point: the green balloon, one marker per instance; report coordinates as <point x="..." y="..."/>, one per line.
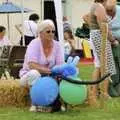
<point x="73" y="94"/>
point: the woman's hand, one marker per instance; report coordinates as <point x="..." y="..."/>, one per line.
<point x="42" y="69"/>
<point x="72" y="43"/>
<point x="46" y="70"/>
<point x="115" y="43"/>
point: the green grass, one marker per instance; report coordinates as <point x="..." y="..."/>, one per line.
<point x="85" y="71"/>
<point x="110" y="110"/>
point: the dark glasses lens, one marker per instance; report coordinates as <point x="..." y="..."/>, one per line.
<point x="49" y="31"/>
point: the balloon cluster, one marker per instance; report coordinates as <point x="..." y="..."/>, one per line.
<point x="45" y="91"/>
<point x="68" y="68"/>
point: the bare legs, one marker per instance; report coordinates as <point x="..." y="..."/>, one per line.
<point x="93" y="89"/>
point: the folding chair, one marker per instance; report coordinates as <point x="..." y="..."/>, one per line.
<point x="16" y="59"/>
<point x="4" y="55"/>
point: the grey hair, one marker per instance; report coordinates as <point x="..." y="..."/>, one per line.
<point x="44" y="24"/>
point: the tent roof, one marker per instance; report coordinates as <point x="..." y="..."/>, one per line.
<point x="9" y="7"/>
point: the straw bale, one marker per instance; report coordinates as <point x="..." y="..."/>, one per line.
<point x="11" y="93"/>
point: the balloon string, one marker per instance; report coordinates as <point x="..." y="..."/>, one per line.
<point x="85" y="82"/>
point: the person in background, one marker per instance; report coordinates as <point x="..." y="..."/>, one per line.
<point x="66" y="24"/>
<point x="42" y="54"/>
<point x="30" y="29"/>
<point x="97" y="17"/>
<point x="4" y="41"/>
<point x="86" y="18"/>
<point x="69" y="43"/>
<point x="113" y="12"/>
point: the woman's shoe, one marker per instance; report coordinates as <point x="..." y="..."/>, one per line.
<point x="33" y="108"/>
<point x="106" y="96"/>
<point x="63" y="108"/>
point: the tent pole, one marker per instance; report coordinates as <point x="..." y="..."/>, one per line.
<point x="22" y="11"/>
<point x="8" y="22"/>
<point x="59" y="16"/>
<point x="42" y="9"/>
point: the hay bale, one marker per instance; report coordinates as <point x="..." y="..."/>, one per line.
<point x="11" y="93"/>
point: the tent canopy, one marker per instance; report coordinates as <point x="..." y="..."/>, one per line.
<point x="9" y="7"/>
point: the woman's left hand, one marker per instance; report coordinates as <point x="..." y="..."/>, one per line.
<point x="115" y="43"/>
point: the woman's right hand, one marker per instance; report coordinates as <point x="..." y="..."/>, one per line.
<point x="46" y="70"/>
<point x="115" y="43"/>
<point x="42" y="69"/>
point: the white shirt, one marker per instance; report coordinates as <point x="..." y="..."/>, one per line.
<point x="30" y="28"/>
<point x="67" y="48"/>
<point x="5" y="41"/>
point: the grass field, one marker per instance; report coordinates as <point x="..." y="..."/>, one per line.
<point x="110" y="110"/>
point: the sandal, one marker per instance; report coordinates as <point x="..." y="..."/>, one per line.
<point x="106" y="96"/>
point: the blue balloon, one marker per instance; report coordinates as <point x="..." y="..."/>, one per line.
<point x="44" y="92"/>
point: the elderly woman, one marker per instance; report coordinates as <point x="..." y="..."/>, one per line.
<point x="42" y="54"/>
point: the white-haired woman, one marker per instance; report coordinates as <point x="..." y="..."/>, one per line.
<point x="42" y="54"/>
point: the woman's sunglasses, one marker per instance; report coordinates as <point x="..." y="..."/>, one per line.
<point x="49" y="31"/>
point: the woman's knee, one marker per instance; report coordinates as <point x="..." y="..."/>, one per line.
<point x="29" y="78"/>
